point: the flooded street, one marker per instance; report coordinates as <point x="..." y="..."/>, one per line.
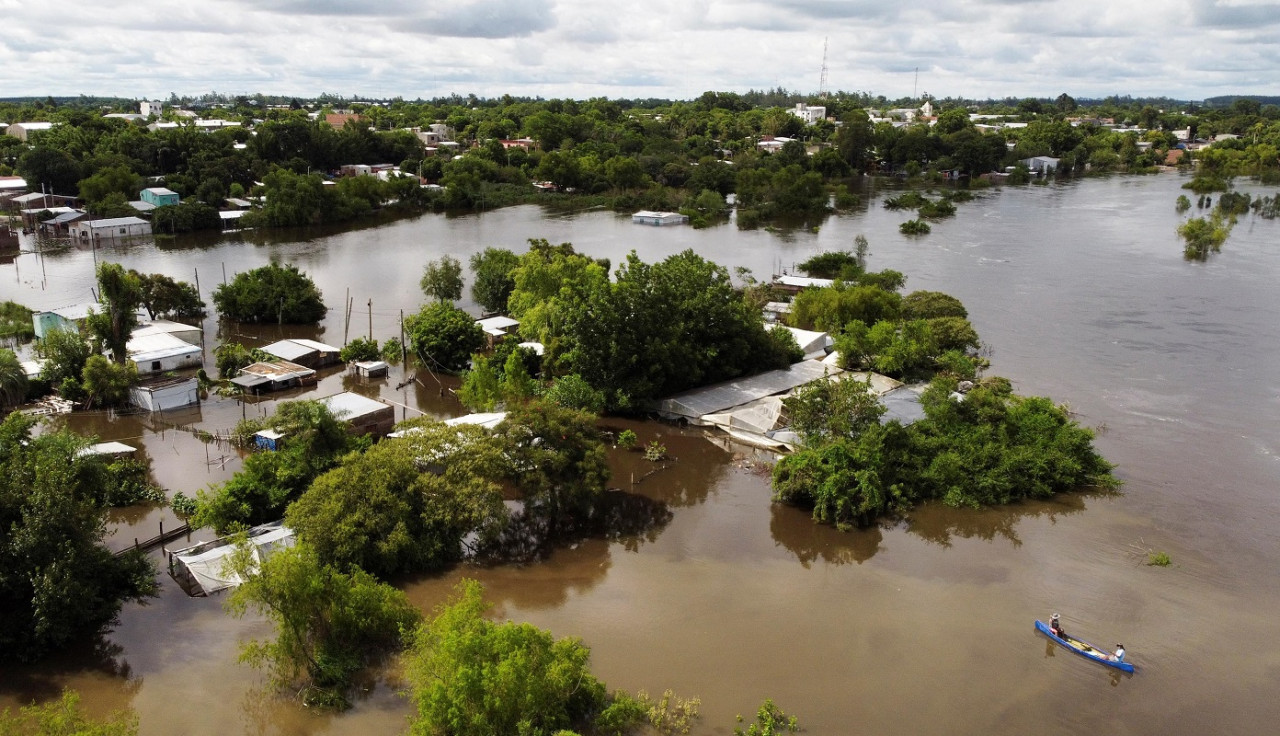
<point x="1080" y="292"/>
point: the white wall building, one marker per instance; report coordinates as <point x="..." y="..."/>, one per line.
<point x="808" y="113"/>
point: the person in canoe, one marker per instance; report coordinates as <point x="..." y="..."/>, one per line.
<point x="1055" y="625"/>
<point x="1119" y="655"/>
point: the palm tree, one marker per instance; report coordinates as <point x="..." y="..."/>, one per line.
<point x="13" y="379"/>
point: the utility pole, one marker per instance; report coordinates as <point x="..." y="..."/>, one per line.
<point x="370" y="319"/>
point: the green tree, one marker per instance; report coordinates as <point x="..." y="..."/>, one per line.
<point x="830" y="408"/>
<point x="492" y="282"/>
<point x="442" y="279"/>
<point x="360" y="349"/>
<point x="443" y="336"/>
<point x="271" y="293"/>
<point x="164" y="297"/>
<point x="471" y="677"/>
<point x="328" y="624"/>
<point x="557" y="461"/>
<point x="930" y="304"/>
<point x="119" y="295"/>
<point x="58" y="583"/>
<point x="15" y="322"/>
<point x="381" y="511"/>
<point x="314" y="442"/>
<point x="107" y="383"/>
<point x="65" y="353"/>
<point x="63" y="717"/>
<point x="13" y="379"/>
<point x="111" y="180"/>
<point x="573" y="392"/>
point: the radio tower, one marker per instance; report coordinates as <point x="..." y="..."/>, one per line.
<point x="822" y="80"/>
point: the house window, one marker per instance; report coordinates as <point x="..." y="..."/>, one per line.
<point x="124" y="231"/>
<point x="155" y="366"/>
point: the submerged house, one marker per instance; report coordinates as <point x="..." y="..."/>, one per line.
<point x="67" y="319"/>
<point x="812" y="344"/>
<point x="201" y="568"/>
<point x="496" y="329"/>
<point x="365" y="416"/>
<point x="273" y="375"/>
<point x="159" y="352"/>
<point x="646" y="217"/>
<point x="308" y="353"/>
<point x="115" y="228"/>
<point x="165" y="393"/>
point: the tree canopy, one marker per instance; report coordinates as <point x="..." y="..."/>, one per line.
<point x="271" y="293"/>
<point x="58" y="583"/>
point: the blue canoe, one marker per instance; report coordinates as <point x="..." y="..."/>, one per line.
<point x="1084" y="649"/>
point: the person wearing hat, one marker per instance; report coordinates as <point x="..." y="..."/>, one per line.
<point x="1055" y="625"/>
<point x="1119" y="655"/>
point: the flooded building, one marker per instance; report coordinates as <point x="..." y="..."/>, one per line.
<point x="363" y="414"/>
<point x="308" y="353"/>
<point x="115" y="228"/>
<point x="165" y="393"/>
<point x="646" y="217"/>
<point x="273" y="375"/>
<point x="159" y="352"/>
<point x="201" y="568"/>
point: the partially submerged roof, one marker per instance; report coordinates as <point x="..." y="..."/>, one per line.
<point x="801" y="282"/>
<point x="107" y="448"/>
<point x="273" y="370"/>
<point x="157" y="346"/>
<point x="117" y="222"/>
<point x="295" y="348"/>
<point x="497" y="325"/>
<point x="163" y="327"/>
<point x="349" y="405"/>
<point x="721" y="396"/>
<point x="201" y="568"/>
<point x="488" y="420"/>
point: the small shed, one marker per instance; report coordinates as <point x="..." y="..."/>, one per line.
<point x="273" y="375"/>
<point x="268" y="439"/>
<point x="160" y="352"/>
<point x="371" y="368"/>
<point x="813" y="344"/>
<point x="307" y="353"/>
<point x="646" y="217"/>
<point x="201" y="568"/>
<point x="363" y="414"/>
<point x="497" y="328"/>
<point x="165" y="394"/>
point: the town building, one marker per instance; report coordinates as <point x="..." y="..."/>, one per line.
<point x="273" y="375"/>
<point x="159" y="196"/>
<point x="307" y="353"/>
<point x="363" y="415"/>
<point x="165" y="393"/>
<point x="646" y="217"/>
<point x="810" y="114"/>
<point x="115" y="228"/>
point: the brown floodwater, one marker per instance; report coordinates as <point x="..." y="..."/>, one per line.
<point x="924" y="625"/>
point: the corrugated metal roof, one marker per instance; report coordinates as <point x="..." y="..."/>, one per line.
<point x="158" y="346"/>
<point x="117" y="222"/>
<point x="288" y="349"/>
<point x="722" y="396"/>
<point x="322" y="347"/>
<point x="349" y="405"/>
<point x="499" y="323"/>
<point x="141" y="206"/>
<point x="279" y="370"/>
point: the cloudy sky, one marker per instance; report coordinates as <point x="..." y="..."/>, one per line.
<point x="1187" y="49"/>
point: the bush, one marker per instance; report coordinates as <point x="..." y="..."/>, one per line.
<point x="915" y="227"/>
<point x="444" y="337"/>
<point x="359" y="349"/>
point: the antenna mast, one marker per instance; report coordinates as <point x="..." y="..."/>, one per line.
<point x="916" y="84"/>
<point x="822" y="80"/>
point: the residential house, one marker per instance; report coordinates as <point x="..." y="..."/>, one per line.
<point x="115" y="228"/>
<point x="497" y="328"/>
<point x="307" y="353"/>
<point x="363" y="415"/>
<point x="645" y="217"/>
<point x="160" y="352"/>
<point x="150" y="107"/>
<point x="1040" y="165"/>
<point x="159" y="196"/>
<point x="795" y="284"/>
<point x="339" y="120"/>
<point x="527" y="144"/>
<point x="59" y="226"/>
<point x="192" y="334"/>
<point x="202" y="569"/>
<point x="68" y="319"/>
<point x="813" y="344"/>
<point x="273" y="375"/>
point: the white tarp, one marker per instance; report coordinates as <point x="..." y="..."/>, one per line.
<point x="201" y="569"/>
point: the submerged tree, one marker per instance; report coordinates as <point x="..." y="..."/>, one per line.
<point x="329" y="624"/>
<point x="58" y="583"/>
<point x="442" y="279"/>
<point x="271" y="293"/>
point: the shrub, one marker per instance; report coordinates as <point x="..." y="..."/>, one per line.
<point x="915" y="227"/>
<point x="272" y="293"/>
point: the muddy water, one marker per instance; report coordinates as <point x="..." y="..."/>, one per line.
<point x="923" y="626"/>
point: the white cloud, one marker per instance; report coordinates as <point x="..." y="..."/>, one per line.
<point x="662" y="48"/>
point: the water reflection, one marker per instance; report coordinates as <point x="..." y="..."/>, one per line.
<point x="795" y="530"/>
<point x="46" y="679"/>
<point x="628" y="518"/>
<point x="938" y="523"/>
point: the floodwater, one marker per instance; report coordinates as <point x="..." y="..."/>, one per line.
<point x="924" y="626"/>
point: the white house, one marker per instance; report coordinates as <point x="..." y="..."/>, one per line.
<point x="150" y="107"/>
<point x="161" y="352"/>
<point x="814" y="344"/>
<point x="115" y="228"/>
<point x="646" y="217"/>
